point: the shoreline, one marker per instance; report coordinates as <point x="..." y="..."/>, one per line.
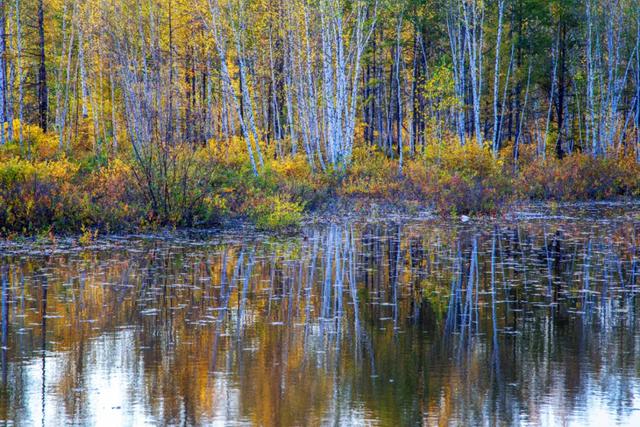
<point x="343" y="210"/>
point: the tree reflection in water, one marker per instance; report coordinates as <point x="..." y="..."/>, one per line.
<point x="420" y="322"/>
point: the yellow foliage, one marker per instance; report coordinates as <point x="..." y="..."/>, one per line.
<point x="233" y="151"/>
<point x="14" y="170"/>
<point x="276" y="213"/>
<point x="295" y="167"/>
<point x="372" y="173"/>
<point x="87" y="237"/>
<point x="37" y="194"/>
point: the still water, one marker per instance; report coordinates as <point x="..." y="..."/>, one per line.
<point x="531" y="319"/>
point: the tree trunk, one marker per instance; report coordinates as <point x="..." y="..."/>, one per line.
<point x="43" y="106"/>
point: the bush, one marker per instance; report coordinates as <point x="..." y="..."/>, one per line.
<point x="115" y="201"/>
<point x="38" y="194"/>
<point x="67" y="195"/>
<point x="276" y="213"/>
<point x="293" y="176"/>
<point x="371" y="174"/>
<point x="580" y="177"/>
<point x="36" y="144"/>
<point x="183" y="185"/>
<point x="174" y="182"/>
<point x="628" y="181"/>
<point x="459" y="179"/>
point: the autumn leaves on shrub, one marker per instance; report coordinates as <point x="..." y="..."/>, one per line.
<point x="34" y="195"/>
<point x="580" y="177"/>
<point x="175" y="186"/>
<point x="453" y="179"/>
<point x="43" y="190"/>
<point x="461" y="179"/>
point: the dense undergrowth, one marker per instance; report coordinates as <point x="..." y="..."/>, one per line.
<point x="44" y="191"/>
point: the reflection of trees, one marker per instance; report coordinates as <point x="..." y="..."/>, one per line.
<point x="402" y="324"/>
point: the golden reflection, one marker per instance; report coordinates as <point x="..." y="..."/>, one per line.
<point x="385" y="325"/>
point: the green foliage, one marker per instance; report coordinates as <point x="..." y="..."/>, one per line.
<point x="277" y="213"/>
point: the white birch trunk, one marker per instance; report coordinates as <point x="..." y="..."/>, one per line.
<point x="20" y="72"/>
<point x="83" y="75"/>
<point x="399" y="94"/>
<point x="214" y="8"/>
<point x="496" y="79"/>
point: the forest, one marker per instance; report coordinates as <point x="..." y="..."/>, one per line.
<point x="127" y="114"/>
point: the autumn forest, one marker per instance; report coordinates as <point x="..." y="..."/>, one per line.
<point x="320" y="212"/>
<point x="143" y="113"/>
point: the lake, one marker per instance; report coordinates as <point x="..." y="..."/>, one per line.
<point x="529" y="319"/>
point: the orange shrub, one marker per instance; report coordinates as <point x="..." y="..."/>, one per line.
<point x="459" y="179"/>
<point x="115" y="202"/>
<point x="34" y="195"/>
<point x="579" y="176"/>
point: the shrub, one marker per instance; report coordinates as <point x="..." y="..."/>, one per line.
<point x="580" y="177"/>
<point x="35" y="195"/>
<point x="115" y="201"/>
<point x="276" y="213"/>
<point x="371" y="174"/>
<point x="293" y="176"/>
<point x="459" y="179"/>
<point x="36" y="144"/>
<point x="173" y="182"/>
<point x="628" y="181"/>
<point x="183" y="185"/>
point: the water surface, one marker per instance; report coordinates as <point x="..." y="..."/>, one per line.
<point x="531" y="319"/>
